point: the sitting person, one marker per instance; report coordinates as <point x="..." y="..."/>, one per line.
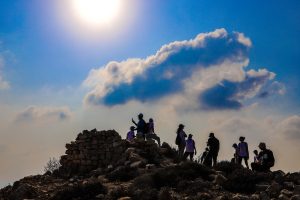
<point x="204" y="154"/>
<point x="265" y="158"/>
<point x="151" y="133"/>
<point x="190" y="148"/>
<point x="130" y="134"/>
<point x="256" y="160"/>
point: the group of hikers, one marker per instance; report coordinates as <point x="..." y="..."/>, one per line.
<point x="262" y="162"/>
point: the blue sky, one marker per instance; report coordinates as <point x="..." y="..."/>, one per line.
<point x="51" y="66"/>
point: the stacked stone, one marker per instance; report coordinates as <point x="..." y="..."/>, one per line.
<point x="93" y="149"/>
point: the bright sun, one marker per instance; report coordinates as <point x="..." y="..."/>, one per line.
<point x="97" y="12"/>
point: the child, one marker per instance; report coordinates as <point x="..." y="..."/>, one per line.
<point x="130" y="134"/>
<point x="256" y="160"/>
<point x="236" y="153"/>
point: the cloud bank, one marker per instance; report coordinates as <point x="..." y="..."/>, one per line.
<point x="35" y="113"/>
<point x="208" y="71"/>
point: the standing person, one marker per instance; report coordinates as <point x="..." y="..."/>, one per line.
<point x="180" y="140"/>
<point x="151" y="133"/>
<point x="130" y="134"/>
<point x="214" y="146"/>
<point x="140" y="126"/>
<point x="190" y="148"/>
<point x="266" y="159"/>
<point x="236" y="153"/>
<point x="243" y="151"/>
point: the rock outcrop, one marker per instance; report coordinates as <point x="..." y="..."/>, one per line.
<point x="100" y="165"/>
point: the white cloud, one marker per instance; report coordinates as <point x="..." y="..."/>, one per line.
<point x="35" y="113"/>
<point x="290" y="127"/>
<point x="186" y="70"/>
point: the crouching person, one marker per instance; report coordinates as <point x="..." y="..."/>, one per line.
<point x="265" y="159"/>
<point x="190" y="148"/>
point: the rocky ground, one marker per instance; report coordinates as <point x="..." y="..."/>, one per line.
<point x="100" y="165"/>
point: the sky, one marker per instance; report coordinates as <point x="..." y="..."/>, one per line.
<point x="232" y="68"/>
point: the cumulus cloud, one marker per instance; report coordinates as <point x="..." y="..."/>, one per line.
<point x="196" y="69"/>
<point x="290" y="127"/>
<point x="34" y="113"/>
<point x="229" y="95"/>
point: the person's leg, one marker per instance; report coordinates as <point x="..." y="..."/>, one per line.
<point x="246" y="162"/>
<point x="239" y="160"/>
<point x="191" y="156"/>
<point x="155" y="137"/>
<point x="186" y="154"/>
<point x="215" y="157"/>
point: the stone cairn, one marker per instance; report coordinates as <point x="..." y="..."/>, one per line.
<point x="91" y="150"/>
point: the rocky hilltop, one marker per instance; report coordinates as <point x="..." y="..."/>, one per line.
<point x="100" y="165"/>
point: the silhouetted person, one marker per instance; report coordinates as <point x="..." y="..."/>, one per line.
<point x="180" y="140"/>
<point x="204" y="154"/>
<point x="130" y="135"/>
<point x="190" y="148"/>
<point x="151" y="133"/>
<point x="236" y="153"/>
<point x="265" y="158"/>
<point x="214" y="146"/>
<point x="140" y="126"/>
<point x="255" y="159"/>
<point x="243" y="151"/>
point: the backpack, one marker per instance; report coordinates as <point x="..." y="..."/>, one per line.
<point x="178" y="140"/>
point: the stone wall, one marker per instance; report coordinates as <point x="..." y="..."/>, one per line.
<point x="93" y="149"/>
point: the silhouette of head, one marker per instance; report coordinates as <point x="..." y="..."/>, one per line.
<point x="132" y="128"/>
<point x="150" y="120"/>
<point x="140" y="116"/>
<point x="181" y="126"/>
<point x="262" y="146"/>
<point x="234" y="145"/>
<point x="211" y="135"/>
<point x="190" y="136"/>
<point x="255" y="152"/>
<point x="242" y="138"/>
<point x="206" y="149"/>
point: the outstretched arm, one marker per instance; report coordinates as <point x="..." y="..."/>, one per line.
<point x="133" y="122"/>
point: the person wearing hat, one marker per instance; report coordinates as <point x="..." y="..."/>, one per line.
<point x="190" y="148"/>
<point x="130" y="134"/>
<point x="180" y="140"/>
<point x="266" y="159"/>
<point x="243" y="152"/>
<point x="214" y="146"/>
<point x="141" y="126"/>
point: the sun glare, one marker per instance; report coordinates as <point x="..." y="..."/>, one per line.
<point x="97" y="12"/>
